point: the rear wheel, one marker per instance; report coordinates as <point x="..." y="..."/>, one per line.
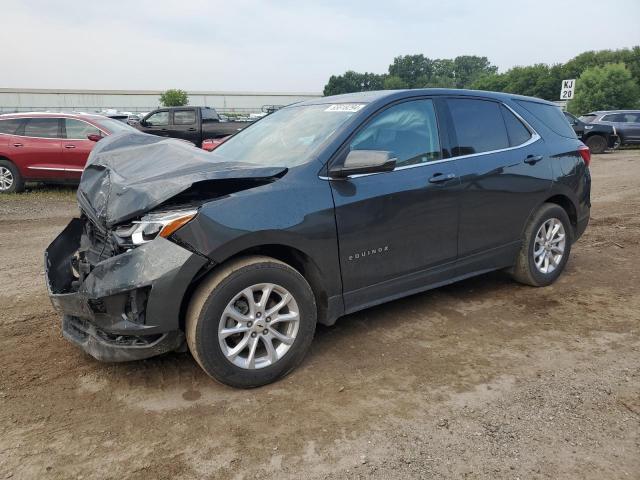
<point x="251" y="322"/>
<point x="597" y="143"/>
<point x="10" y="179"/>
<point x="545" y="247"/>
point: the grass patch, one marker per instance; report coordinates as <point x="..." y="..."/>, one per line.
<point x="35" y="191"/>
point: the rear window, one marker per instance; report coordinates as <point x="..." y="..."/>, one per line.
<point x="209" y="115"/>
<point x="10" y="125"/>
<point x="551" y="116"/>
<point x="41" y="128"/>
<point x="479" y="126"/>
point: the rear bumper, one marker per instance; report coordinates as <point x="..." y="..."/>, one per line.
<point x="128" y="306"/>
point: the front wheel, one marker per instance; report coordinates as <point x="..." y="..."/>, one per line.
<point x="597" y="144"/>
<point x="546" y="246"/>
<point x="251" y="322"/>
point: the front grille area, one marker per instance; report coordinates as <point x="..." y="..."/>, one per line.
<point x="100" y="243"/>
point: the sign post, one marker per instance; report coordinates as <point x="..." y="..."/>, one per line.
<point x="568" y="89"/>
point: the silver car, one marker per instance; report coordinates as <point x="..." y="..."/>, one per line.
<point x="626" y="123"/>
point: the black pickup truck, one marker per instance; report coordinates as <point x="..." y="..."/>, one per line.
<point x="598" y="137"/>
<point x="194" y="124"/>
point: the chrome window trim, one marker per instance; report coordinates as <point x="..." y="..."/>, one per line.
<point x="535" y="136"/>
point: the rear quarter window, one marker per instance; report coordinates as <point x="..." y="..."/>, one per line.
<point x="551" y="116"/>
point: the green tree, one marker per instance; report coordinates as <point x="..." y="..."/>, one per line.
<point x="610" y="87"/>
<point x="468" y="68"/>
<point x="411" y="69"/>
<point x="174" y="98"/>
<point x="352" y="81"/>
<point x="393" y="82"/>
<point x="539" y="80"/>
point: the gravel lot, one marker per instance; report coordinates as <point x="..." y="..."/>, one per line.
<point x="482" y="379"/>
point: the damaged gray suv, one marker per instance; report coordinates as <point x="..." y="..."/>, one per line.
<point x="321" y="209"/>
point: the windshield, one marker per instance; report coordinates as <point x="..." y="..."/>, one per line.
<point x="288" y="137"/>
<point x="114" y="126"/>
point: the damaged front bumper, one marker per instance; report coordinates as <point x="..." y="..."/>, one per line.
<point x="128" y="306"/>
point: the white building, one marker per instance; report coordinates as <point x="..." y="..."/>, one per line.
<point x="27" y="99"/>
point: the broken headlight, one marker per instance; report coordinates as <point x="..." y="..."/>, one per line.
<point x="152" y="225"/>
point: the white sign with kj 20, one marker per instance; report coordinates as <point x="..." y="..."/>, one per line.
<point x="568" y="88"/>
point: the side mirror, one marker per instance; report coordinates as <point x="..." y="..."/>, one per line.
<point x="94" y="137"/>
<point x="364" y="161"/>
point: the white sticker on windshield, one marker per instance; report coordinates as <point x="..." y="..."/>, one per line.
<point x="345" y="107"/>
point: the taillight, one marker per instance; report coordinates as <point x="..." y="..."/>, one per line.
<point x="585" y="153"/>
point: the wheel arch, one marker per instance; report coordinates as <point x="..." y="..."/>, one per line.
<point x="568" y="205"/>
<point x="294" y="257"/>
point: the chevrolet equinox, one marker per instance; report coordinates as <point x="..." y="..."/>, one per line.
<point x="320" y="209"/>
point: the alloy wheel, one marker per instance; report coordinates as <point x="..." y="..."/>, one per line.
<point x="259" y="326"/>
<point x="549" y="246"/>
<point x="6" y="179"/>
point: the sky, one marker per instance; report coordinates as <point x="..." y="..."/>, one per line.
<point x="285" y="46"/>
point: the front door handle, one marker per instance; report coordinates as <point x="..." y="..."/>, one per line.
<point x="192" y="129"/>
<point x="69" y="146"/>
<point x="532" y="159"/>
<point x="17" y="145"/>
<point x="442" y="177"/>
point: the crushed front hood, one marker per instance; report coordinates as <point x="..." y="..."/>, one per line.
<point x="129" y="174"/>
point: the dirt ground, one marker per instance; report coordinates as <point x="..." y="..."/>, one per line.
<point x="482" y="379"/>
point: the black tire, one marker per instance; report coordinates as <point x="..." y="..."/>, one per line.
<point x="597" y="144"/>
<point x="525" y="270"/>
<point x="17" y="183"/>
<point x="212" y="296"/>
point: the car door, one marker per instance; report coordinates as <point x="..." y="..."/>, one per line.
<point x="76" y="145"/>
<point x="397" y="230"/>
<point x="184" y="124"/>
<point x="632" y="126"/>
<point x="37" y="149"/>
<point x="504" y="174"/>
<point x="157" y="123"/>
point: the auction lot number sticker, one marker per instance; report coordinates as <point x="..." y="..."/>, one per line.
<point x="345" y="107"/>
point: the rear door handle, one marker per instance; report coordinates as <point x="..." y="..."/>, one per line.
<point x="532" y="159"/>
<point x="192" y="129"/>
<point x="442" y="177"/>
<point x="69" y="146"/>
<point x="17" y="145"/>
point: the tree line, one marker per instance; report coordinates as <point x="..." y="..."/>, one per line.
<point x="605" y="79"/>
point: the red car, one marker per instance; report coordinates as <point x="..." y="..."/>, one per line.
<point x="49" y="147"/>
<point x="212" y="143"/>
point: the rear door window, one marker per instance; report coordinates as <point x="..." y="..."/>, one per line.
<point x="408" y="130"/>
<point x="516" y="131"/>
<point x="41" y="128"/>
<point x="184" y="117"/>
<point x="10" y="126"/>
<point x="551" y="116"/>
<point x="78" y="130"/>
<point x="478" y="125"/>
